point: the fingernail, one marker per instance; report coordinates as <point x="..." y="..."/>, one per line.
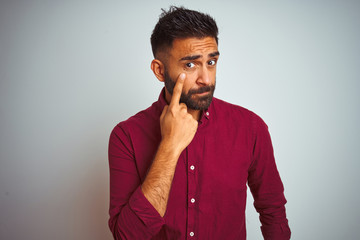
<point x="182" y="76"/>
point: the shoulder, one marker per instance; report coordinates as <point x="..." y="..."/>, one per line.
<point x="141" y="121"/>
<point x="235" y="112"/>
<point x="235" y="119"/>
<point x="238" y="118"/>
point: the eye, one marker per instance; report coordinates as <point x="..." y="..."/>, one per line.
<point x="212" y="62"/>
<point x="190" y="65"/>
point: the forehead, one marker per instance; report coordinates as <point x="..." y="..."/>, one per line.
<point x="193" y="46"/>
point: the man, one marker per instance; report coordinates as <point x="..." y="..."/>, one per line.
<point x="179" y="169"/>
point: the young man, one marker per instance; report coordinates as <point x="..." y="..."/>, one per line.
<point x="179" y="169"/>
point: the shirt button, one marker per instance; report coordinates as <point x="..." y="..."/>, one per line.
<point x="191" y="234"/>
<point x="192" y="200"/>
<point x="207" y="113"/>
<point x="192" y="167"/>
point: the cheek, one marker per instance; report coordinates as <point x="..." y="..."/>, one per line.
<point x="191" y="76"/>
<point x="190" y="82"/>
<point x="213" y="76"/>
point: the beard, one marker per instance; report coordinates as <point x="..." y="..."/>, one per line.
<point x="190" y="99"/>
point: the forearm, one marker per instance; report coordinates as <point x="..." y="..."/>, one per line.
<point x="157" y="184"/>
<point x="137" y="219"/>
<point x="131" y="214"/>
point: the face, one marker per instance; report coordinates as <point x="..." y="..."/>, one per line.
<point x="197" y="58"/>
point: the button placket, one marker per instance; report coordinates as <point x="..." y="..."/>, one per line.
<point x="191" y="194"/>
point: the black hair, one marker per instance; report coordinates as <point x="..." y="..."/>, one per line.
<point x="180" y="23"/>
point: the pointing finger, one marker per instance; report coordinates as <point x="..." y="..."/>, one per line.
<point x="175" y="99"/>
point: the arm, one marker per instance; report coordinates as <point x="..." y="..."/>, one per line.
<point x="178" y="128"/>
<point x="138" y="214"/>
<point x="266" y="187"/>
<point x="131" y="215"/>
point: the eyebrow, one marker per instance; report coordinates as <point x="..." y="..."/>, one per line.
<point x="214" y="54"/>
<point x="194" y="57"/>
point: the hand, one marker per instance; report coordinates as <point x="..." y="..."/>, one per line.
<point x="178" y="127"/>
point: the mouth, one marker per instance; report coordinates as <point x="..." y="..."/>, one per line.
<point x="202" y="93"/>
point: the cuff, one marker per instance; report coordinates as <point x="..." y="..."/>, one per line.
<point x="145" y="211"/>
<point x="276" y="232"/>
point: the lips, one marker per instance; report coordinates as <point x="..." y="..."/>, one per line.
<point x="201" y="90"/>
<point x="203" y="93"/>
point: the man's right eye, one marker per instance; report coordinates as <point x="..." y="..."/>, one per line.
<point x="190" y="65"/>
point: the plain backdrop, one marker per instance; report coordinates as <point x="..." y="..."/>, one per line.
<point x="71" y="70"/>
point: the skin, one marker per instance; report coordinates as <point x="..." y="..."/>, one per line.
<point x="192" y="62"/>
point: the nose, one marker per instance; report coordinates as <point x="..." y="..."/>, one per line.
<point x="203" y="76"/>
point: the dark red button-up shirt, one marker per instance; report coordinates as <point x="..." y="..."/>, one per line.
<point x="231" y="148"/>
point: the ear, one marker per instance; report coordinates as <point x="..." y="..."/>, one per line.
<point x="158" y="69"/>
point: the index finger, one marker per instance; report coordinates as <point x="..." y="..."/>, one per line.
<point x="175" y="99"/>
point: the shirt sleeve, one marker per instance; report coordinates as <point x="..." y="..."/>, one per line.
<point x="266" y="186"/>
<point x="131" y="215"/>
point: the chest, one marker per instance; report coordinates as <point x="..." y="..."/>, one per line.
<point x="217" y="161"/>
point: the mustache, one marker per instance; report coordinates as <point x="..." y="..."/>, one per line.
<point x="201" y="89"/>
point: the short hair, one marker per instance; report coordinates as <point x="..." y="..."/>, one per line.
<point x="181" y="23"/>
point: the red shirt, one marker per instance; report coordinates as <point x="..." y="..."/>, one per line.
<point x="231" y="148"/>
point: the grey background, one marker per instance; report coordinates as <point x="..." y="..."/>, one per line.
<point x="71" y="70"/>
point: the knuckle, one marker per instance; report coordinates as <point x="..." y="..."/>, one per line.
<point x="172" y="112"/>
<point x="183" y="111"/>
<point x="183" y="105"/>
